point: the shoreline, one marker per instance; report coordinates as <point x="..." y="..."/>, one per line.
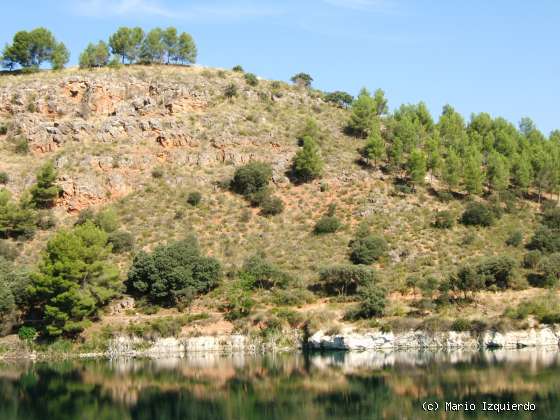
<point x="546" y="337"/>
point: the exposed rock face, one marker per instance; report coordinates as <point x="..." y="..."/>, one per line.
<point x="132" y="122"/>
<point x="376" y="340"/>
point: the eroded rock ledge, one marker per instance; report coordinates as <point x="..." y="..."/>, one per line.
<point x="542" y="337"/>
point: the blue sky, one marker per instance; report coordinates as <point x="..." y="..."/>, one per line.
<point x="500" y="56"/>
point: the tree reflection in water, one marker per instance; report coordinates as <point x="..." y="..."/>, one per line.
<point x="314" y="386"/>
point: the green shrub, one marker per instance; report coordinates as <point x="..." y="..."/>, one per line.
<point x="372" y="302"/>
<point x="27" y="334"/>
<point x="551" y="218"/>
<point x="461" y="325"/>
<point x="194" y="198"/>
<point x="251" y="178"/>
<point x="515" y="239"/>
<point x="158" y="328"/>
<point x="341" y="99"/>
<point x="545" y="309"/>
<point x="251" y="79"/>
<point x="173" y="273"/>
<point x="238" y="69"/>
<point x="121" y="241"/>
<point x="498" y="272"/>
<point x="257" y="272"/>
<point x="549" y="266"/>
<point x="45" y="192"/>
<point x="107" y="220"/>
<point x="239" y="303"/>
<point x="477" y="214"/>
<point x="21" y="146"/>
<point x="368" y="249"/>
<point x="272" y="206"/>
<point x="158" y="173"/>
<point x="444" y="220"/>
<point x="532" y="259"/>
<point x="291" y="297"/>
<point x="327" y="224"/>
<point x="3" y="129"/>
<point x="344" y="279"/>
<point x="8" y="251"/>
<point x="4" y="178"/>
<point x="230" y="91"/>
<point x="545" y="240"/>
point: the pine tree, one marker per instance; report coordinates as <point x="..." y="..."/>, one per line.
<point x="45" y="192"/>
<point x="434" y="160"/>
<point x="381" y="103"/>
<point x="364" y="111"/>
<point x="74" y="280"/>
<point x="473" y="177"/>
<point x="308" y="164"/>
<point x="451" y="170"/>
<point x="416" y="166"/>
<point x="497" y="174"/>
<point x="522" y="171"/>
<point x="396" y="154"/>
<point x="374" y="148"/>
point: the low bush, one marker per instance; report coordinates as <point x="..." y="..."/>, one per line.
<point x="194" y="198"/>
<point x="477" y="214"/>
<point x="372" y="302"/>
<point x="367" y="249"/>
<point x="327" y="224"/>
<point x="238" y="69"/>
<point x="545" y="239"/>
<point x="4" y="178"/>
<point x="258" y="273"/>
<point x="121" y="241"/>
<point x="515" y="238"/>
<point x="271" y="206"/>
<point x="344" y="279"/>
<point x="230" y="91"/>
<point x="158" y="173"/>
<point x="251" y="178"/>
<point x="549" y="267"/>
<point x="158" y="327"/>
<point x="251" y="79"/>
<point x="239" y="303"/>
<point x="551" y="218"/>
<point x="444" y="220"/>
<point x="545" y="309"/>
<point x="532" y="259"/>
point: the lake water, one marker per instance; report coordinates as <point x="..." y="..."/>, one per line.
<point x="392" y="385"/>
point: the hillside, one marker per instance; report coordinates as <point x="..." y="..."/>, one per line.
<point x="140" y="139"/>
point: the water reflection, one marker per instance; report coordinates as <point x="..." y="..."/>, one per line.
<point x="317" y="386"/>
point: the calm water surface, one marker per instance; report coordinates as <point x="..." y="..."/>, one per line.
<point x="392" y="385"/>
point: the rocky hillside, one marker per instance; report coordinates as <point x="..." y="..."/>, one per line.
<point x="140" y="139"/>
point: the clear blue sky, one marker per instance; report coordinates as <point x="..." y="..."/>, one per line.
<point x="500" y="56"/>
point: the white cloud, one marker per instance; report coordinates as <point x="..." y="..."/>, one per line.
<point x="121" y="8"/>
<point x="364" y="5"/>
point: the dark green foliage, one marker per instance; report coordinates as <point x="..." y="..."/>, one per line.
<point x="363" y="118"/>
<point x="251" y="178"/>
<point x="515" y="238"/>
<point x="251" y="79"/>
<point x="327" y="224"/>
<point x="532" y="259"/>
<point x="238" y="69"/>
<point x="194" y="198"/>
<point x="85" y="215"/>
<point x="373" y="300"/>
<point x="545" y="240"/>
<point x="367" y="249"/>
<point x="16" y="220"/>
<point x="302" y="79"/>
<point x="121" y="241"/>
<point x="341" y="99"/>
<point x="549" y="266"/>
<point x="258" y="273"/>
<point x="4" y="178"/>
<point x="95" y="55"/>
<point x="239" y="303"/>
<point x="308" y="164"/>
<point x="477" y="214"/>
<point x="345" y="279"/>
<point x="271" y="206"/>
<point x="45" y="192"/>
<point x="551" y="218"/>
<point x="173" y="273"/>
<point x="31" y="49"/>
<point x="498" y="272"/>
<point x="27" y="334"/>
<point x="230" y="91"/>
<point x="444" y="220"/>
<point x="158" y="173"/>
<point x="74" y="280"/>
